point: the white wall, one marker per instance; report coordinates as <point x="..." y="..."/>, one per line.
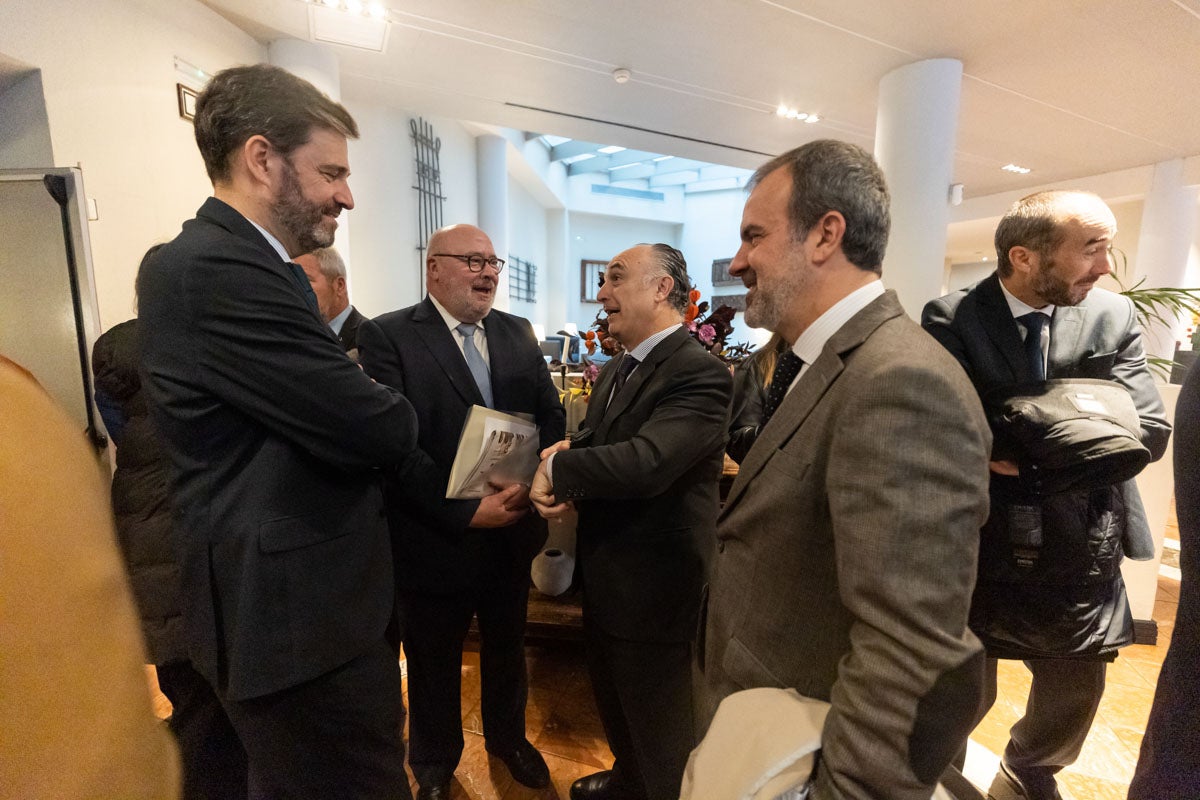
<point x="527" y="239"/>
<point x="109" y="78"/>
<point x="385" y="272"/>
<point x="599" y="238"/>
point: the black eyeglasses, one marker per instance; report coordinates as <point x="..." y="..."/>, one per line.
<point x="475" y="263"/>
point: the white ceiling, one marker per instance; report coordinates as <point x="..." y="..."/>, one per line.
<point x="1069" y="88"/>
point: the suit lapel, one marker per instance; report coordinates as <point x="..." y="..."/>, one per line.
<point x="599" y="396"/>
<point x="1001" y="328"/>
<point x="1066" y="328"/>
<point x="502" y="346"/>
<point x="437" y="337"/>
<point x="640" y="377"/>
<point x="811" y="388"/>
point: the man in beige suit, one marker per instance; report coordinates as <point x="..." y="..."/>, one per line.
<point x="847" y="547"/>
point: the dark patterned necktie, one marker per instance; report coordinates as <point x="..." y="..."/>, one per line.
<point x="624" y="369"/>
<point x="786" y="370"/>
<point x="1033" y="324"/>
<point x="306" y="289"/>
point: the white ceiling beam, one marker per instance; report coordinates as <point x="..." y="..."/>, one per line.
<point x="572" y="148"/>
<point x="675" y="178"/>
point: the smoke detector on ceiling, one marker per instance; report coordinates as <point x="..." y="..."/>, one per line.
<point x="621" y="75"/>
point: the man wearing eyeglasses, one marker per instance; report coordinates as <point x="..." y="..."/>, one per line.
<point x="458" y="559"/>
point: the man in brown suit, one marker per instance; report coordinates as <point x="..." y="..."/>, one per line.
<point x="847" y="548"/>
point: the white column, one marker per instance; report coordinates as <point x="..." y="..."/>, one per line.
<point x="553" y="309"/>
<point x="319" y="66"/>
<point x="491" y="175"/>
<point x="915" y="131"/>
<point x="1167" y="237"/>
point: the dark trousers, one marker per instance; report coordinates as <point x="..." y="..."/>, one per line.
<point x="334" y="736"/>
<point x="644" y="696"/>
<point x="435" y="627"/>
<point x="1058" y="715"/>
<point x="214" y="762"/>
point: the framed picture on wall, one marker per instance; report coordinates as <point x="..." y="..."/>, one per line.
<point x="720" y="273"/>
<point x="735" y="301"/>
<point x="187" y="101"/>
<point x="590" y="273"/>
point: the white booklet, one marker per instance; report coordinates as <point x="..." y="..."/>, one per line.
<point x="494" y="448"/>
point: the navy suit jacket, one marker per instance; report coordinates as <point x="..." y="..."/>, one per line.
<point x="273" y="434"/>
<point x="414" y="352"/>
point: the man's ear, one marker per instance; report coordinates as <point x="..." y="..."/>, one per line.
<point x="825" y="237"/>
<point x="1023" y="259"/>
<point x="339" y="285"/>
<point x="259" y="159"/>
<point x="665" y="284"/>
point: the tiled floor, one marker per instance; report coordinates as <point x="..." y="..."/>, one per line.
<point x="561" y="721"/>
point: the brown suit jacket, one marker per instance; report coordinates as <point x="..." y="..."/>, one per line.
<point x="847" y="553"/>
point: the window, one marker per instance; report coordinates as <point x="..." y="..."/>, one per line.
<point x="522" y="279"/>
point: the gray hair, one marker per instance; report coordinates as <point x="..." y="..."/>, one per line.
<point x="828" y="175"/>
<point x="261" y="100"/>
<point x="330" y="262"/>
<point x="1034" y="222"/>
<point x="673" y="265"/>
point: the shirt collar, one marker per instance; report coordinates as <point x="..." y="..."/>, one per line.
<point x="337" y="322"/>
<point x="449" y="318"/>
<point x="1020" y="308"/>
<point x="810" y="343"/>
<point x="650" y="342"/>
<point x="271" y="240"/>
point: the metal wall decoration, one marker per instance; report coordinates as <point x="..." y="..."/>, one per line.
<point x="735" y="301"/>
<point x="720" y="272"/>
<point x="428" y="174"/>
<point x="522" y="279"/>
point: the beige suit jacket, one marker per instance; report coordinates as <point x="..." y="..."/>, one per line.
<point x="847" y="554"/>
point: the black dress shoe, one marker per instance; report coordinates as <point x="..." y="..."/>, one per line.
<point x="593" y="787"/>
<point x="434" y="791"/>
<point x="1012" y="784"/>
<point x="526" y="764"/>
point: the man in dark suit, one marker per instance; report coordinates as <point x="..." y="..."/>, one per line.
<point x="326" y="272"/>
<point x="1062" y="609"/>
<point x="643" y="475"/>
<point x="458" y="559"/>
<point x="1169" y="765"/>
<point x="273" y="437"/>
<point x="846" y="549"/>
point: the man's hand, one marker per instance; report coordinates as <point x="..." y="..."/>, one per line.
<point x="503" y="508"/>
<point x="542" y="493"/>
<point x="565" y="444"/>
<point x="1004" y="468"/>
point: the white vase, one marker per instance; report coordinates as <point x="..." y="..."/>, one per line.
<point x="552" y="571"/>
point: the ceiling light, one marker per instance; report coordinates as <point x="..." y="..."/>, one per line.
<point x="580" y="157"/>
<point x="795" y="113"/>
<point x="354" y="6"/>
<point x="377" y="10"/>
<point x="612" y="148"/>
<point x="330" y="3"/>
<point x="1016" y="169"/>
<point x="663" y="158"/>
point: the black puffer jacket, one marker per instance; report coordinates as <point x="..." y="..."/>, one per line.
<point x="139" y="492"/>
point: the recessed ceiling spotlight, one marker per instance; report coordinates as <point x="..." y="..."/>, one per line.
<point x="330" y="3"/>
<point x="377" y="10"/>
<point x="612" y="148"/>
<point x="354" y="6"/>
<point x="1016" y="169"/>
<point x="794" y="113"/>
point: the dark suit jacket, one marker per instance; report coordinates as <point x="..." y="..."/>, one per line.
<point x="645" y="485"/>
<point x="414" y="352"/>
<point x="272" y="433"/>
<point x="348" y="335"/>
<point x="1082" y="531"/>
<point x="846" y="557"/>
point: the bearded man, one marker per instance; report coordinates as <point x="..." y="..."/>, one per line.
<point x="275" y="438"/>
<point x="1062" y="610"/>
